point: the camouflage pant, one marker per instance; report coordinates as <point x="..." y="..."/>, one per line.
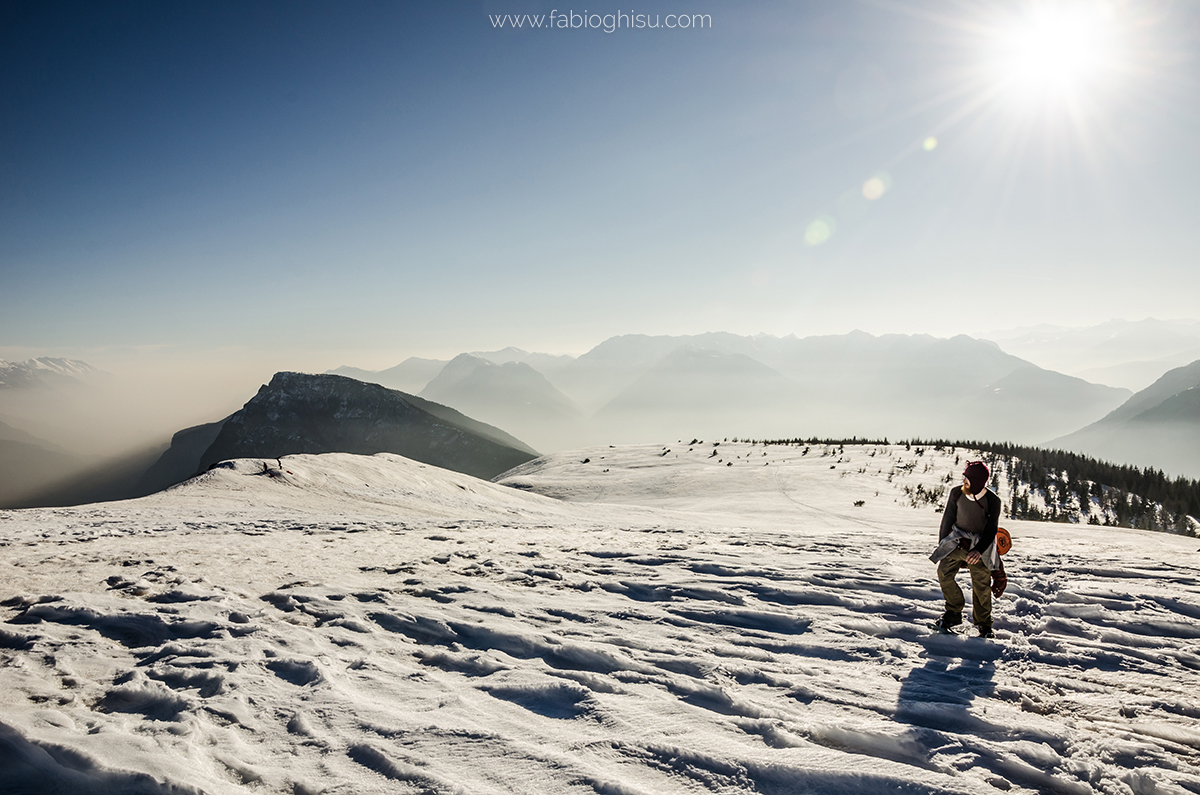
<point x="981" y="587"/>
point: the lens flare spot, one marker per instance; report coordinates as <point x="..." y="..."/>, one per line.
<point x="819" y="231"/>
<point x="876" y="186"/>
<point x="930" y="144"/>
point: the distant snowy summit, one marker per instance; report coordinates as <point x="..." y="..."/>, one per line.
<point x="47" y="372"/>
<point x="302" y="413"/>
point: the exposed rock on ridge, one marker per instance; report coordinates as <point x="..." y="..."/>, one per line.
<point x="299" y="413"/>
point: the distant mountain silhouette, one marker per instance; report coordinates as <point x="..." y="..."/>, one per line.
<point x="1158" y="427"/>
<point x="637" y="387"/>
<point x="695" y="378"/>
<point x="410" y="376"/>
<point x="47" y="372"/>
<point x="957" y="387"/>
<point x="299" y="413"/>
<point x="694" y="390"/>
<point x="51" y="396"/>
<point x="545" y="363"/>
<point x="1130" y="354"/>
<point x="27" y="463"/>
<point x="512" y="395"/>
<point x="1169" y="385"/>
<point x="599" y="375"/>
<point x="850" y="384"/>
<point x="93" y="480"/>
<point x="8" y="433"/>
<point x="357" y="373"/>
<point x="36" y="473"/>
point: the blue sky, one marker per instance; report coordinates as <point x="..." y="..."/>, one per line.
<point x="314" y="184"/>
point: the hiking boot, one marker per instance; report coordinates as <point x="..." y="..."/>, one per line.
<point x="947" y="622"/>
<point x="985" y="631"/>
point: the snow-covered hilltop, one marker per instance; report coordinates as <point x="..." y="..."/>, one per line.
<point x="46" y="372"/>
<point x="657" y="619"/>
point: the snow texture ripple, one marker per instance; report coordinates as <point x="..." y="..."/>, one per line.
<point x="679" y="619"/>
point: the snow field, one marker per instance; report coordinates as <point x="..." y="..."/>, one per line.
<point x="666" y="623"/>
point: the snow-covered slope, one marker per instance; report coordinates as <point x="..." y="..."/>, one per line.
<point x="667" y="620"/>
<point x="1158" y="427"/>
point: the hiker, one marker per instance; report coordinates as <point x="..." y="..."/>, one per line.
<point x="968" y="538"/>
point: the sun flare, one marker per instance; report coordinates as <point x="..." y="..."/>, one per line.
<point x="1054" y="51"/>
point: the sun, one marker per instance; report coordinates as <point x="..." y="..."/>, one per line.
<point x="1054" y="51"/>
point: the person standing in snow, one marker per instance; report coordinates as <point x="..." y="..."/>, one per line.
<point x="968" y="538"/>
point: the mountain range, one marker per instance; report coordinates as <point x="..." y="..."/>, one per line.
<point x="636" y="387"/>
<point x="1157" y="427"/>
<point x="47" y="372"/>
<point x="1124" y="353"/>
<point x="414" y="373"/>
<point x="630" y="388"/>
<point x="858" y="383"/>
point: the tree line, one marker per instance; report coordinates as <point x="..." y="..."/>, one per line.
<point x="1073" y="487"/>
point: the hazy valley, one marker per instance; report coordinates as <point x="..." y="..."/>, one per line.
<point x="634" y="389"/>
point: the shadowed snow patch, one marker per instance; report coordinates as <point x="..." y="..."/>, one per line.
<point x="129" y="629"/>
<point x="298" y="672"/>
<point x="141" y="696"/>
<point x="33" y="767"/>
<point x="469" y="664"/>
<point x="748" y="619"/>
<point x="15" y="641"/>
<point x="382" y="763"/>
<point x="552" y="699"/>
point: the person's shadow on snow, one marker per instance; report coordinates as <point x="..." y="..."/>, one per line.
<point x="938" y="695"/>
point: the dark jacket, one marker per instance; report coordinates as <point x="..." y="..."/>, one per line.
<point x="972" y="516"/>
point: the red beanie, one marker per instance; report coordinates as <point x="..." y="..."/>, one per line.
<point x="977" y="475"/>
